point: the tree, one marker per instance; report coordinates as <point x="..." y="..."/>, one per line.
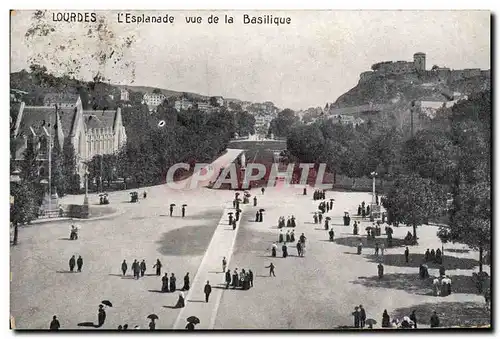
<point x="213" y="102"/>
<point x="25" y="207"/>
<point x="156" y="91"/>
<point x="29" y="164"/>
<point x="413" y="200"/>
<point x="69" y="167"/>
<point x="306" y="142"/>
<point x="283" y="123"/>
<point x="245" y="123"/>
<point x="471" y="224"/>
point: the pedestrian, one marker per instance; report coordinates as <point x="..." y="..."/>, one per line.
<point x="181" y="301"/>
<point x="292" y="236"/>
<point x="427" y="255"/>
<point x="234" y="224"/>
<point x="72" y="263"/>
<point x="190" y="326"/>
<point x="186" y="282"/>
<point x="224" y="264"/>
<point x="382" y="249"/>
<point x="304" y="192"/>
<point x="120" y="327"/>
<point x="228" y="278"/>
<point x="231" y="218"/>
<point x="124" y="267"/>
<point x="320" y="217"/>
<point x="101" y="316"/>
<point x="137" y="269"/>
<point x="144" y="195"/>
<point x="125" y="327"/>
<point x="407" y="254"/>
<point x="434" y="320"/>
<point x="377" y="248"/>
<point x="442" y="271"/>
<point x="331" y="234"/>
<point x="164" y="283"/>
<point x="172" y="283"/>
<point x="237" y="215"/>
<point x="362" y="316"/>
<point x="183" y="211"/>
<point x="386" y="320"/>
<point x="255" y="201"/>
<point x="250" y="277"/>
<point x="234" y="282"/>
<point x="158" y="266"/>
<point x="79" y="263"/>
<point x="292" y="222"/>
<point x="360" y="247"/>
<point x="142" y="267"/>
<point x="359" y="210"/>
<point x="284" y="249"/>
<point x="413" y="317"/>
<point x="280" y="237"/>
<point x="257" y="216"/>
<point x="380" y="268"/>
<point x="433" y="255"/>
<point x="54" y="324"/>
<point x="261" y="216"/>
<point x="271" y="269"/>
<point x="134" y="266"/>
<point x="262" y="190"/>
<point x="274" y="248"/>
<point x="287" y="237"/>
<point x="299" y="248"/>
<point x="152" y="325"/>
<point x="315" y="217"/>
<point x="356" y="316"/>
<point x="171" y="210"/>
<point x="207" y="290"/>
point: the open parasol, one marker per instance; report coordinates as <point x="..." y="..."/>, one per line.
<point x="107" y="303"/>
<point x="184" y="205"/>
<point x="370" y="322"/>
<point x="230" y="213"/>
<point x="328" y="218"/>
<point x="152" y="316"/>
<point x="171" y="205"/>
<point x="262" y="210"/>
<point x="193" y="319"/>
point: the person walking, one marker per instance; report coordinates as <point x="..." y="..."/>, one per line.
<point x="407" y="254"/>
<point x="171" y="210"/>
<point x="164" y="283"/>
<point x="255" y="201"/>
<point x="377" y="247"/>
<point x="262" y="190"/>
<point x="386" y="320"/>
<point x="413" y="317"/>
<point x="186" y="282"/>
<point x="224" y="264"/>
<point x="54" y="324"/>
<point x="434" y="320"/>
<point x="250" y="277"/>
<point x="172" y="283"/>
<point x="134" y="267"/>
<point x="101" y="316"/>
<point x="284" y="249"/>
<point x="299" y="249"/>
<point x="207" y="290"/>
<point x="124" y="267"/>
<point x="228" y="278"/>
<point x="158" y="266"/>
<point x="362" y="316"/>
<point x="142" y="267"/>
<point x="331" y="234"/>
<point x="382" y="249"/>
<point x="137" y="269"/>
<point x="356" y="315"/>
<point x="183" y="211"/>
<point x="72" y="263"/>
<point x="79" y="263"/>
<point x="271" y="269"/>
<point x="152" y="325"/>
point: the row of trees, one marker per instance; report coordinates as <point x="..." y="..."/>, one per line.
<point x="450" y="158"/>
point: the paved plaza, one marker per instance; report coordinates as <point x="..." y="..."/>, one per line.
<point x="317" y="291"/>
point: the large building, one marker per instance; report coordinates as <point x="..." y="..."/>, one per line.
<point x="90" y="132"/>
<point x="153" y="100"/>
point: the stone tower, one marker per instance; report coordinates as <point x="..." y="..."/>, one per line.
<point x="419" y="61"/>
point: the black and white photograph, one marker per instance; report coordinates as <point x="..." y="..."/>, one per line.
<point x="234" y="169"/>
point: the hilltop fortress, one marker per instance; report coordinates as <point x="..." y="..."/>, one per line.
<point x="417" y="69"/>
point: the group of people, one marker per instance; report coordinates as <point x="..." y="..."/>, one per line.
<point x="363" y="210"/>
<point x="290" y="222"/>
<point x="170" y="284"/>
<point x="317" y="217"/>
<point x="434" y="256"/>
<point x="326" y="206"/>
<point x="319" y="195"/>
<point x="243" y="280"/>
<point x="171" y="210"/>
<point x="78" y="262"/>
<point x="139" y="268"/>
<point x="259" y="216"/>
<point x="441" y="286"/>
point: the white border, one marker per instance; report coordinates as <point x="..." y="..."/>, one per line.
<point x="188" y="4"/>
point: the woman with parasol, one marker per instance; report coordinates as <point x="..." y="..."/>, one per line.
<point x="274" y="248"/>
<point x="230" y="218"/>
<point x="183" y="210"/>
<point x="315" y="217"/>
<point x="152" y="324"/>
<point x="327" y="223"/>
<point x="171" y="209"/>
<point x="191" y="322"/>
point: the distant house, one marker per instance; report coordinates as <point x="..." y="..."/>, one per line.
<point x="219" y="100"/>
<point x="124" y="95"/>
<point x="346" y="120"/>
<point x="183" y="104"/>
<point x="90" y="132"/>
<point x="154" y="99"/>
<point x="64" y="100"/>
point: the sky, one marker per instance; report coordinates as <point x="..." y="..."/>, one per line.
<point x="307" y="63"/>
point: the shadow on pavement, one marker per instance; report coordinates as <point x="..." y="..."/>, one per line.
<point x="188" y="240"/>
<point x="415" y="260"/>
<point x="88" y="324"/>
<point x="156" y="291"/>
<point x="463" y="314"/>
<point x="412" y="283"/>
<point x="64" y="239"/>
<point x="196" y="301"/>
<point x="354" y="240"/>
<point x="66" y="272"/>
<point x="172" y="307"/>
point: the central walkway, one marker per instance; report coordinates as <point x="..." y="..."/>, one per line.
<point x="210" y="269"/>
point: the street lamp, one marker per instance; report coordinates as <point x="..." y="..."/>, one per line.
<point x="373" y="174"/>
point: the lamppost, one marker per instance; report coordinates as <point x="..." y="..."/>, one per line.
<point x="14" y="179"/>
<point x="86" y="198"/>
<point x="373" y="174"/>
